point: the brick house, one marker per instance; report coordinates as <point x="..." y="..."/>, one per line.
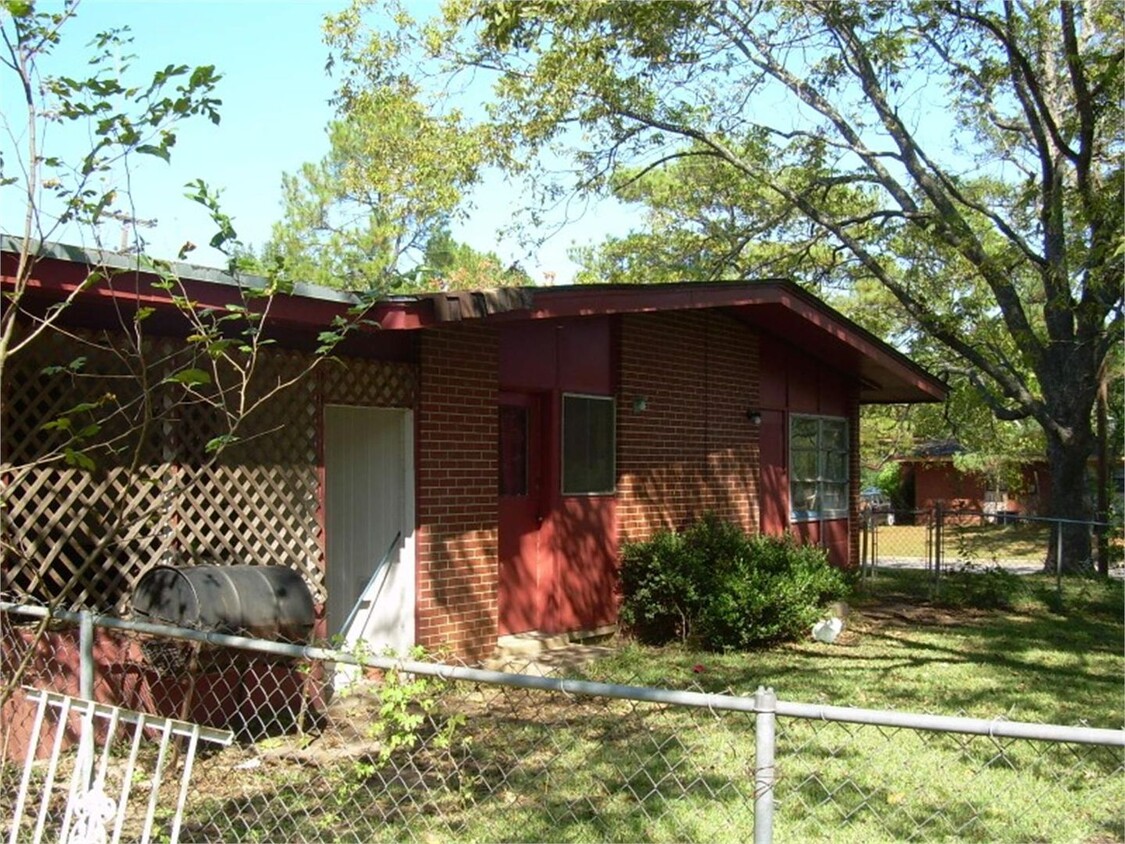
<point x="502" y="444"/>
<point x="932" y="479"/>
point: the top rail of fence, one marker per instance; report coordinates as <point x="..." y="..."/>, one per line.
<point x="997" y="728"/>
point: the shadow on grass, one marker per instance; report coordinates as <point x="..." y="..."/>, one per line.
<point x="524" y="767"/>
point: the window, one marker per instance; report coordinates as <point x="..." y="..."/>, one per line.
<point x="588" y="466"/>
<point x="513" y="450"/>
<point x="818" y="467"/>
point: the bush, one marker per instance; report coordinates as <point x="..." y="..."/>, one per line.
<point x="722" y="590"/>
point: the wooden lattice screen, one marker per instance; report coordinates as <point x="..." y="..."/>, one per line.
<point x="86" y="533"/>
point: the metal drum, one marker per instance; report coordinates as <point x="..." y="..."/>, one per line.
<point x="267" y="602"/>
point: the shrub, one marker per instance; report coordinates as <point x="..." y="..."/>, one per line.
<point x="722" y="590"/>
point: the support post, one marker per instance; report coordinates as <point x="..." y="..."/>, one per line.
<point x="1058" y="559"/>
<point x="86" y="655"/>
<point x="765" y="735"/>
<point x="939" y="538"/>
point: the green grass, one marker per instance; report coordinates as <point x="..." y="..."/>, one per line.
<point x="1024" y="542"/>
<point x="532" y="766"/>
<point x="902" y="650"/>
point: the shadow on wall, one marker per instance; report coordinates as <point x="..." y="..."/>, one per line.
<point x="583" y="545"/>
<point x="676" y="495"/>
<point x="461" y="584"/>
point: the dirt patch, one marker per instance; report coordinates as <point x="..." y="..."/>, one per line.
<point x="903" y="614"/>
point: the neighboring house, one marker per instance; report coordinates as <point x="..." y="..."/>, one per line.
<point x="936" y="480"/>
<point x="512" y="439"/>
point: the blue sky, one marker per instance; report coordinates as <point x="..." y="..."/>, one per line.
<point x="275" y="107"/>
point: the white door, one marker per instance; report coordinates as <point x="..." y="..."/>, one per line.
<point x="369" y="497"/>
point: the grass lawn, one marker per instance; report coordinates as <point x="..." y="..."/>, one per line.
<point x="1024" y="542"/>
<point x="521" y="765"/>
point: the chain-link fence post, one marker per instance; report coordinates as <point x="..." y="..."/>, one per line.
<point x="1058" y="559"/>
<point x="86" y="655"/>
<point x="765" y="731"/>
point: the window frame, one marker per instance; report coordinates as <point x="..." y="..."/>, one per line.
<point x="612" y="490"/>
<point x="823" y="480"/>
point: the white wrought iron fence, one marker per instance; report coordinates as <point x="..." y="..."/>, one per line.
<point x="415" y="750"/>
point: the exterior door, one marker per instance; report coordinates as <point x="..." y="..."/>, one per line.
<point x="522" y="580"/>
<point x="369" y="494"/>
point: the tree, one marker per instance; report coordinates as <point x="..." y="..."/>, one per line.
<point x="966" y="156"/>
<point x="448" y="264"/>
<point x="102" y="415"/>
<point x="395" y="173"/>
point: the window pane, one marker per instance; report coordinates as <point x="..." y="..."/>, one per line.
<point x="588" y="445"/>
<point x="834" y="498"/>
<point x="513" y="450"/>
<point x="835" y="466"/>
<point x="803" y="433"/>
<point x="805" y="465"/>
<point x="804" y="499"/>
<point x="832" y="435"/>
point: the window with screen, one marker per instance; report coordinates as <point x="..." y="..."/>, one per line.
<point x="818" y="467"/>
<point x="588" y="465"/>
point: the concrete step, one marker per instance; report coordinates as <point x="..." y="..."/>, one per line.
<point x="544" y="654"/>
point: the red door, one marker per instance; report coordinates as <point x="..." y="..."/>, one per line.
<point x="521" y="510"/>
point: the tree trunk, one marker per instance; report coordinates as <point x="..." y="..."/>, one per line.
<point x="1069" y="500"/>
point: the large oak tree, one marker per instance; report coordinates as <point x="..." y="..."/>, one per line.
<point x="966" y="156"/>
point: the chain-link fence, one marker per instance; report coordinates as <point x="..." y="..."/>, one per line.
<point x="944" y="541"/>
<point x="340" y="747"/>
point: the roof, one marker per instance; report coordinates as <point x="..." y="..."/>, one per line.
<point x="772" y="306"/>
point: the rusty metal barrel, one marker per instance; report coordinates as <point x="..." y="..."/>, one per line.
<point x="268" y="602"/>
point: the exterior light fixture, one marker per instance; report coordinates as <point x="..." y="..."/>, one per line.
<point x="755" y="417"/>
<point x="640" y="403"/>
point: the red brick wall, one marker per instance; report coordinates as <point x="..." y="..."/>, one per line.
<point x="692" y="449"/>
<point x="456" y="491"/>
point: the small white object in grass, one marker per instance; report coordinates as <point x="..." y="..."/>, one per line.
<point x="249" y="764"/>
<point x="827" y="630"/>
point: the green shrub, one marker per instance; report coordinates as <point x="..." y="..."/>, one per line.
<point x="722" y="590"/>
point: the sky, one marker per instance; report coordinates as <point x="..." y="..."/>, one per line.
<point x="275" y="95"/>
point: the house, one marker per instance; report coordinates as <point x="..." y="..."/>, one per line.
<point x="496" y="447"/>
<point x="934" y="479"/>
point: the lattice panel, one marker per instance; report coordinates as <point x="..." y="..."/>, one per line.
<point x="257" y="502"/>
<point x="49" y="380"/>
<point x="369" y="383"/>
<point x="84" y="535"/>
<point x="88" y="536"/>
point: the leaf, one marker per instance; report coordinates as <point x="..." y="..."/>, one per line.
<point x="158" y="151"/>
<point x="189" y="378"/>
<point x="78" y="459"/>
<point x="217" y="444"/>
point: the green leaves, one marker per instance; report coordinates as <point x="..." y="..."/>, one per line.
<point x="189" y="378"/>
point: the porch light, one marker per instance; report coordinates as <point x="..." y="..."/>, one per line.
<point x="755" y="417"/>
<point x="640" y="403"/>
